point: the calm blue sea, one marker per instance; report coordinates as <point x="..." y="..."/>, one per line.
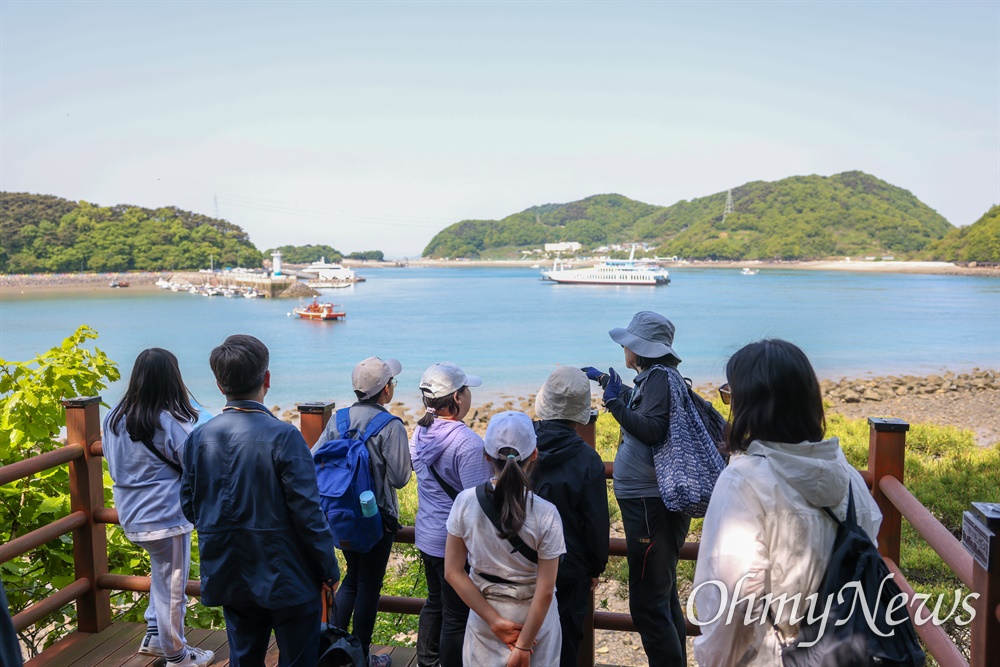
<point x="513" y="329"/>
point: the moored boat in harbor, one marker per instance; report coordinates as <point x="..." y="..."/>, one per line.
<point x="319" y="311"/>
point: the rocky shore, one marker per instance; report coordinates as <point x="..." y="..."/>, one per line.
<point x="964" y="400"/>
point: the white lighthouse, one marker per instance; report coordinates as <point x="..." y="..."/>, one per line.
<point x="276" y="263"/>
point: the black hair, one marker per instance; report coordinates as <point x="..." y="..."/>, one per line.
<point x="154" y="386"/>
<point x="510" y="495"/>
<point x="239" y="365"/>
<point x="775" y="396"/>
<point x="647" y="362"/>
<point x="442" y="404"/>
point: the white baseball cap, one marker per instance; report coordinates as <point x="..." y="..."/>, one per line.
<point x="372" y="375"/>
<point x="510" y="429"/>
<point x="446" y="378"/>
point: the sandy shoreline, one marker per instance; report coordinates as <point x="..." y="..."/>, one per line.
<point x="15" y="285"/>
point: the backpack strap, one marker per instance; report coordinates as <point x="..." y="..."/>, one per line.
<point x="149" y="445"/>
<point x="343" y="421"/>
<point x="850" y="519"/>
<point x="486" y="502"/>
<point x="377" y="423"/>
<point x="448" y="488"/>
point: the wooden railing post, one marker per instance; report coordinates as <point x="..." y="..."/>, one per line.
<point x="587" y="656"/>
<point x="886" y="445"/>
<point x="980" y="531"/>
<point x="86" y="490"/>
<point x="313" y="418"/>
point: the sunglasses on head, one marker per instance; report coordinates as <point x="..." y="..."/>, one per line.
<point x="725" y="394"/>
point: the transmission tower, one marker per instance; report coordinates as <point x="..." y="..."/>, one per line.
<point x="216" y="206"/>
<point x="729" y="205"/>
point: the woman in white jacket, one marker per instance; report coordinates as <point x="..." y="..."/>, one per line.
<point x="144" y="443"/>
<point x="765" y="530"/>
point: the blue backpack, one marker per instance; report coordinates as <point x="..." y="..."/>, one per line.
<point x="343" y="473"/>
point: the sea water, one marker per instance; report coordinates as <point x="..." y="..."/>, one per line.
<point x="513" y="329"/>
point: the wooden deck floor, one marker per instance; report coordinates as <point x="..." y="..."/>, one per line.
<point x="116" y="647"/>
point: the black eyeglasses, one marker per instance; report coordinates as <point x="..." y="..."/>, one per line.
<point x="725" y="394"/>
<point x="392" y="382"/>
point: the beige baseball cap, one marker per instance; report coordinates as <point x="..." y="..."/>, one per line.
<point x="372" y="375"/>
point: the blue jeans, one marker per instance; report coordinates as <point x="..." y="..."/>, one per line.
<point x="296" y="630"/>
<point x="441" y="629"/>
<point x="653" y="537"/>
<point x="359" y="592"/>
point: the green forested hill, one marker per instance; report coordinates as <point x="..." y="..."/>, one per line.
<point x="979" y="242"/>
<point x="802" y="217"/>
<point x="41" y="233"/>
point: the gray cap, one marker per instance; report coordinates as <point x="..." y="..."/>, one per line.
<point x="372" y="375"/>
<point x="649" y="335"/>
<point x="510" y="429"/>
<point x="565" y="395"/>
<point x="446" y="378"/>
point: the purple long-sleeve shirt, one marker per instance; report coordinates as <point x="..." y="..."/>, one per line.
<point x="459" y="457"/>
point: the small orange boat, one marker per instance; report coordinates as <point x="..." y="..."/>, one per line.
<point x="320" y="311"/>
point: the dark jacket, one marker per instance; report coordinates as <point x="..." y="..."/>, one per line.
<point x="249" y="487"/>
<point x="570" y="475"/>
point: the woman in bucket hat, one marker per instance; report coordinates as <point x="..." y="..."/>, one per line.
<point x="653" y="534"/>
<point x="447" y="457"/>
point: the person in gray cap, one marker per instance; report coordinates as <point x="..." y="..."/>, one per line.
<point x="569" y="473"/>
<point x="374" y="383"/>
<point x="654" y="535"/>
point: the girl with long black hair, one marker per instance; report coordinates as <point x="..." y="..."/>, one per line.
<point x="143" y="442"/>
<point x="512" y="619"/>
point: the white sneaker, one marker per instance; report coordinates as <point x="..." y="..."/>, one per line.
<point x="193" y="657"/>
<point x="151" y="646"/>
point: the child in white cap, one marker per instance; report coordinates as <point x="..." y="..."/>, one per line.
<point x="513" y="555"/>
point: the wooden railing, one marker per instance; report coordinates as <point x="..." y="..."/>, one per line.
<point x="93" y="584"/>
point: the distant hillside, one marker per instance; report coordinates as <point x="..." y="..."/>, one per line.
<point x="979" y="242"/>
<point x="41" y="233"/>
<point x="802" y="217"/>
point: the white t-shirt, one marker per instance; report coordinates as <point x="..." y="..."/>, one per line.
<point x="490" y="553"/>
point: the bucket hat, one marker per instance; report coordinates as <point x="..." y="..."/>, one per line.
<point x="649" y="335"/>
<point x="565" y="395"/>
<point x="510" y="429"/>
<point x="446" y="378"/>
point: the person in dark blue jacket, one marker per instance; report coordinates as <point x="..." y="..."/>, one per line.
<point x="249" y="488"/>
<point x="569" y="474"/>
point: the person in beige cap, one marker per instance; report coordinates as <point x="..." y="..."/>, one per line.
<point x="513" y="621"/>
<point x="569" y="473"/>
<point x="374" y="382"/>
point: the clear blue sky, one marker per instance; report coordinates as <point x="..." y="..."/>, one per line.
<point x="374" y="125"/>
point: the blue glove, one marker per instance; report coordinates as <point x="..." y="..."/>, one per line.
<point x="614" y="386"/>
<point x="592" y="373"/>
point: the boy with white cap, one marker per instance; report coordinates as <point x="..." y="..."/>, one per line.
<point x="569" y="474"/>
<point x="374" y="382"/>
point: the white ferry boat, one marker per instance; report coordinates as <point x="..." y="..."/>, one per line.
<point x="629" y="271"/>
<point x="329" y="274"/>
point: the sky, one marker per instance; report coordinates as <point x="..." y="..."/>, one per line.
<point x="374" y="125"/>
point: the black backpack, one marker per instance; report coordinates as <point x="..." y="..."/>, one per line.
<point x="855" y="560"/>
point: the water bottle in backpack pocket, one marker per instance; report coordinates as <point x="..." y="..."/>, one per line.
<point x="346" y="486"/>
